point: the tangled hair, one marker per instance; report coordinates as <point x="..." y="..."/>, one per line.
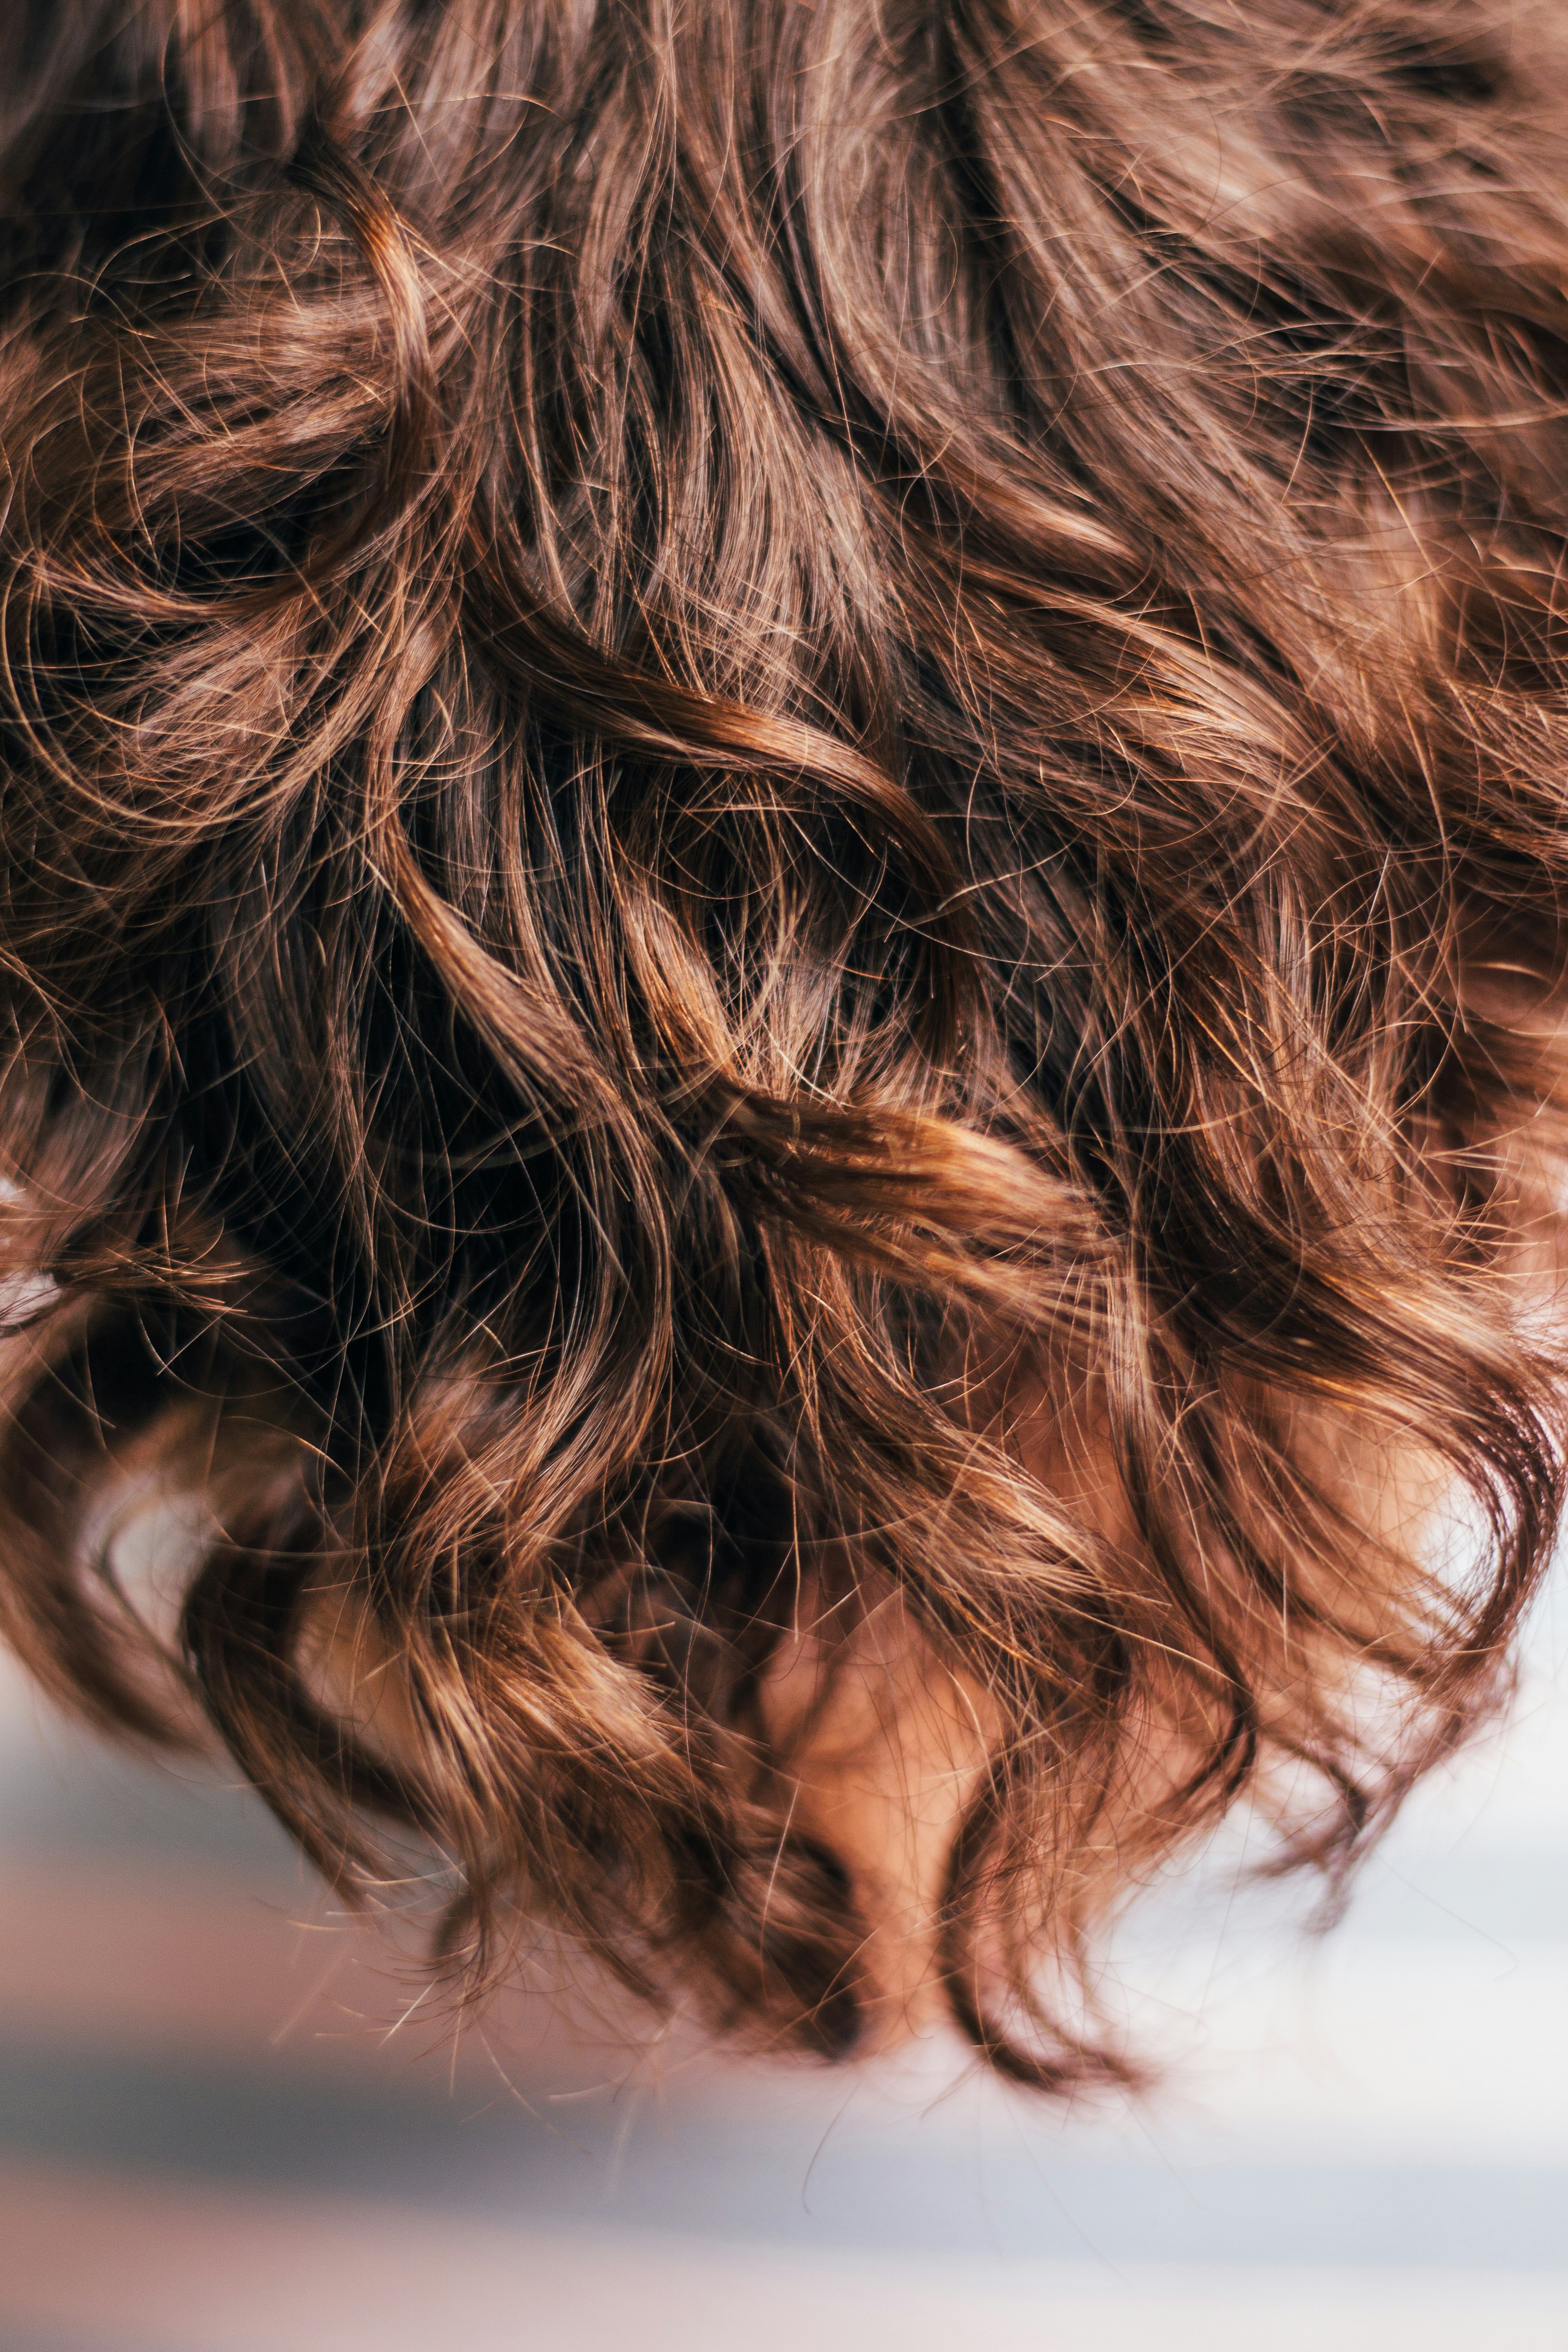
<point x="786" y="857"/>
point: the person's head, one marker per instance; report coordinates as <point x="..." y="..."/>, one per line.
<point x="785" y="848"/>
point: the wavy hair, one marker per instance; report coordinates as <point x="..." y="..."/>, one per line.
<point x="784" y="856"/>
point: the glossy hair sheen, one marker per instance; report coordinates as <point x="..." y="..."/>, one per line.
<point x="785" y="856"/>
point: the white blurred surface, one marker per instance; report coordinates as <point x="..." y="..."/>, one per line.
<point x="209" y="2140"/>
<point x="209" y="2273"/>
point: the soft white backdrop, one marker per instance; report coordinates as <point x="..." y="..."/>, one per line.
<point x="214" y="2134"/>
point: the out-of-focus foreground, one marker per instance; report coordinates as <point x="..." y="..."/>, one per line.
<point x="215" y="2133"/>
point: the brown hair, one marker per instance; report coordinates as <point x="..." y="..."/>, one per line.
<point x="785" y="855"/>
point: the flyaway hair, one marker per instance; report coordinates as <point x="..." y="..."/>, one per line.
<point x="786" y="836"/>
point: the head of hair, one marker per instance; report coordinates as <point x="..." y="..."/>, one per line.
<point x="784" y="856"/>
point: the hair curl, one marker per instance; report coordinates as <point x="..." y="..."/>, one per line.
<point x="785" y="855"/>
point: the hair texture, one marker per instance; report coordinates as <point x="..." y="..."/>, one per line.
<point x="784" y="825"/>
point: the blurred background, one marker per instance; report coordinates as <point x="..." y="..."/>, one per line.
<point x="227" y="2120"/>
